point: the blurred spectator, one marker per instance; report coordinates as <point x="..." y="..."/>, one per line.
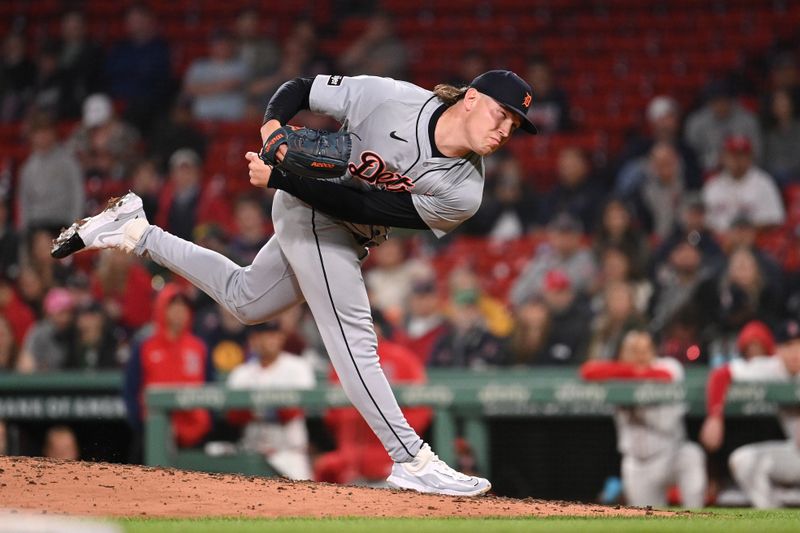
<point x="691" y="226"/>
<point x="551" y="111"/>
<point x="576" y="192"/>
<point x="652" y="439"/>
<point x="146" y="182"/>
<point x="260" y="55"/>
<point x="741" y="295"/>
<point x="47" y="344"/>
<point x="17" y="76"/>
<point x="177" y="130"/>
<point x="51" y="90"/>
<point x="677" y="316"/>
<point x="14" y="310"/>
<point x="9" y="350"/>
<point x="359" y="456"/>
<point x="50" y="271"/>
<point x="617" y="229"/>
<point x="179" y="199"/>
<point x="741" y="188"/>
<point x="742" y="234"/>
<point x="138" y="68"/>
<point x="509" y="208"/>
<point x="377" y="51"/>
<point x="60" y="443"/>
<point x="214" y="83"/>
<point x="123" y="287"/>
<point x="94" y="346"/>
<point x="563" y="251"/>
<point x="467" y="342"/>
<point x="664" y="128"/>
<point x="614" y="321"/>
<point x="9" y="240"/>
<point x="51" y="190"/>
<point x="80" y="60"/>
<point x="755" y="339"/>
<point x="279" y="434"/>
<point x="529" y="341"/>
<point x="170" y="355"/>
<point x="570" y="317"/>
<point x="252" y="230"/>
<point x="3" y="438"/>
<point x="783" y="76"/>
<point x="105" y="145"/>
<point x="721" y="117"/>
<point x="782" y="137"/>
<point x="661" y="192"/>
<point x="32" y="290"/>
<point x="300" y="57"/>
<point x="424" y="320"/>
<point x="615" y="267"/>
<point x="473" y="63"/>
<point x="225" y="337"/>
<point x="763" y="468"/>
<point x="389" y="280"/>
<point x="464" y="280"/>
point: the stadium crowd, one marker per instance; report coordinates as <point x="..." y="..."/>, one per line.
<point x="682" y="233"/>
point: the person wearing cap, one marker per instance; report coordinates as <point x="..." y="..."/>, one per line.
<point x="552" y="111"/>
<point x="721" y="116"/>
<point x="663" y="117"/>
<point x="279" y="434"/>
<point x="47" y="344"/>
<point x="105" y="145"/>
<point x="416" y="162"/>
<point x="741" y="188"/>
<point x="563" y="251"/>
<point x="180" y="197"/>
<point x="764" y="468"/>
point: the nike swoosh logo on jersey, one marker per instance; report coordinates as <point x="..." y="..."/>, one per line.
<point x="393" y="135"/>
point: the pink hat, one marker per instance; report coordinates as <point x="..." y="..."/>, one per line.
<point x="57" y="300"/>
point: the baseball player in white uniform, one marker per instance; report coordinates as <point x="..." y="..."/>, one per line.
<point x="652" y="439"/>
<point x="416" y="162"/>
<point x="760" y="468"/>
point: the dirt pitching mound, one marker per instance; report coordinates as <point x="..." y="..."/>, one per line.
<point x="102" y="489"/>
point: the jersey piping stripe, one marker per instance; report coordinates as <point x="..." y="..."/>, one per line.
<point x="344" y="337"/>
<point x="416" y="133"/>
<point x="439" y="170"/>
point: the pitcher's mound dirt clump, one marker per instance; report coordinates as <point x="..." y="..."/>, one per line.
<point x="102" y="489"/>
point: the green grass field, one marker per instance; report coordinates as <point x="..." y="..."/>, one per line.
<point x="727" y="521"/>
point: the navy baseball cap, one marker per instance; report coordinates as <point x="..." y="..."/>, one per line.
<point x="510" y="91"/>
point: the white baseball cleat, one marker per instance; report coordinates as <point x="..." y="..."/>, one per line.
<point x="120" y="225"/>
<point x="428" y="473"/>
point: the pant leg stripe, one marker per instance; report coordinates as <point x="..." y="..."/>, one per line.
<point x="344" y="337"/>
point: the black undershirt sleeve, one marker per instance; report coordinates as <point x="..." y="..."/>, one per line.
<point x="381" y="208"/>
<point x="288" y="100"/>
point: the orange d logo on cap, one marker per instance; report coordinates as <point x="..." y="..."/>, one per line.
<point x="527" y="101"/>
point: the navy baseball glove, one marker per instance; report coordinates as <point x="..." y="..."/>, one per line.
<point x="309" y="153"/>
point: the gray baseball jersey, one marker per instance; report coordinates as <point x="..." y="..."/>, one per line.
<point x="392" y="149"/>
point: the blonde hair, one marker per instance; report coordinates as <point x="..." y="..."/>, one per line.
<point x="449" y="94"/>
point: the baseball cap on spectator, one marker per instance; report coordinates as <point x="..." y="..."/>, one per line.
<point x="184" y="156"/>
<point x="788" y="331"/>
<point x="556" y="281"/>
<point x="756" y="331"/>
<point x="738" y="144"/>
<point x="566" y="223"/>
<point x="661" y="106"/>
<point x="57" y="300"/>
<point x="97" y="110"/>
